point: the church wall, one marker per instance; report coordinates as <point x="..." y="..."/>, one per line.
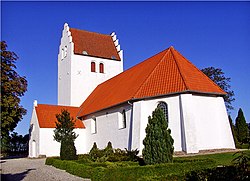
<point x="83" y="81"/>
<point x="64" y="67"/>
<point x="107" y="129"/>
<point x="147" y="107"/>
<point x="34" y="135"/>
<point x="214" y="130"/>
<point x="50" y="147"/>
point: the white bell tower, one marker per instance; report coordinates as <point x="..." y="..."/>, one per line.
<point x="81" y="68"/>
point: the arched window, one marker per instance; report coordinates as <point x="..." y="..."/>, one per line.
<point x="164" y="107"/>
<point x="101" y="68"/>
<point x="92" y="66"/>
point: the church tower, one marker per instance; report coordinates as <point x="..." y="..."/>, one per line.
<point x="85" y="60"/>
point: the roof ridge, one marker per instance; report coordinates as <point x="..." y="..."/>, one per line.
<point x="57" y="105"/>
<point x="90" y="32"/>
<point x="147" y="78"/>
<point x="204" y="75"/>
<point x="179" y="69"/>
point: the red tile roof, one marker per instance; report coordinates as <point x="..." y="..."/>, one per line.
<point x="46" y="115"/>
<point x="95" y="44"/>
<point x="165" y="73"/>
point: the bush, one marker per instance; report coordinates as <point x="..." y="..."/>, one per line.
<point x="49" y="161"/>
<point x="220" y="173"/>
<point x="130" y="170"/>
<point x="112" y="155"/>
<point x="84" y="158"/>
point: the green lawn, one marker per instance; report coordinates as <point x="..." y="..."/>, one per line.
<point x="219" y="158"/>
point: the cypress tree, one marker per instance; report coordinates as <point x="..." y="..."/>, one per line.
<point x="241" y="127"/>
<point x="233" y="132"/>
<point x="65" y="135"/>
<point x="158" y="143"/>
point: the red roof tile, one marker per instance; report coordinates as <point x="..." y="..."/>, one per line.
<point x="46" y="115"/>
<point x="95" y="44"/>
<point x="165" y="73"/>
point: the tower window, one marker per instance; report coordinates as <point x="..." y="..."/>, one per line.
<point x="62" y="54"/>
<point x="92" y="66"/>
<point x="101" y="67"/>
<point x="164" y="107"/>
<point x="65" y="51"/>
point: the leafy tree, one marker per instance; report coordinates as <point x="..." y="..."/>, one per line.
<point x="65" y="135"/>
<point x="241" y="127"/>
<point x="233" y="132"/>
<point x="218" y="77"/>
<point x="158" y="143"/>
<point x="13" y="86"/>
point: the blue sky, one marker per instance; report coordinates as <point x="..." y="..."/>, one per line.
<point x="206" y="33"/>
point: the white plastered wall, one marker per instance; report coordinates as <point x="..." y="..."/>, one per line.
<point x="143" y="109"/>
<point x="64" y="67"/>
<point x="196" y="122"/>
<point x="107" y="124"/>
<point x="83" y="81"/>
<point x="50" y="147"/>
<point x="34" y="135"/>
<point x="214" y="131"/>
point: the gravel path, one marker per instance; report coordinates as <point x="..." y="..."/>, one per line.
<point x="33" y="170"/>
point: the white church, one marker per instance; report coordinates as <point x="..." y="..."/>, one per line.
<point x="110" y="104"/>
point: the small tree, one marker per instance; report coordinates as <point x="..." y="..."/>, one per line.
<point x="241" y="127"/>
<point x="233" y="132"/>
<point x="158" y="143"/>
<point x="65" y="135"/>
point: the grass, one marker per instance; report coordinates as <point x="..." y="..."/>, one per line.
<point x="220" y="158"/>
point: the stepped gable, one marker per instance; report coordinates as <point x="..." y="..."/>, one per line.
<point x="46" y="115"/>
<point x="165" y="73"/>
<point x="95" y="44"/>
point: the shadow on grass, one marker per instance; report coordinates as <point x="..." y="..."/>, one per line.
<point x="16" y="176"/>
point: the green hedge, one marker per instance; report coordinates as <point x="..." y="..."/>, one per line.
<point x="130" y="171"/>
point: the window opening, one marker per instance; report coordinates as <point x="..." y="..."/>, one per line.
<point x="92" y="66"/>
<point x="101" y="67"/>
<point x="164" y="107"/>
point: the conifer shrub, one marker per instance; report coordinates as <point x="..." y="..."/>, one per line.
<point x="68" y="150"/>
<point x="158" y="143"/>
<point x="65" y="135"/>
<point x="109" y="149"/>
<point x="241" y="127"/>
<point x="95" y="153"/>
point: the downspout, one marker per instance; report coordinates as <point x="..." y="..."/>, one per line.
<point x="130" y="136"/>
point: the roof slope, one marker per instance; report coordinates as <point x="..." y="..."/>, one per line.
<point x="165" y="73"/>
<point x="95" y="44"/>
<point x="46" y="115"/>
